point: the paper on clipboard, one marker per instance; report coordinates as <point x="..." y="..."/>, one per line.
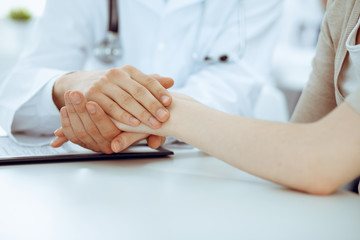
<point x="11" y="152"/>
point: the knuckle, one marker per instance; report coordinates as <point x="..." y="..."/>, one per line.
<point x="112" y="72"/>
<point x="108" y="134"/>
<point x="71" y="111"/>
<point x="113" y="107"/>
<point x="81" y="134"/>
<point x="144" y="115"/>
<point x="120" y="116"/>
<point x="103" y="80"/>
<point x="128" y="68"/>
<point x="160" y="92"/>
<point x="139" y="92"/>
<point x="92" y="91"/>
<point x="150" y="83"/>
<point x="115" y="73"/>
<point x="92" y="130"/>
<point x="154" y="105"/>
<point x="124" y="116"/>
<point x="126" y="99"/>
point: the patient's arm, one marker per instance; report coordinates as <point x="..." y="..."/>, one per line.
<point x="317" y="158"/>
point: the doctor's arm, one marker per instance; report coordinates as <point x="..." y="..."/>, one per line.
<point x="27" y="103"/>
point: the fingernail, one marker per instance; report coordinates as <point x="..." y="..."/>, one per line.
<point x="67" y="98"/>
<point x="117" y="146"/>
<point x="64" y="113"/>
<point x="75" y="98"/>
<point x="153" y="122"/>
<point x="56" y="131"/>
<point x="161" y="113"/>
<point x="91" y="108"/>
<point x="134" y="121"/>
<point x="165" y="99"/>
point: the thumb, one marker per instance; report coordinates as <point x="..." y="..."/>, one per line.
<point x="166" y="82"/>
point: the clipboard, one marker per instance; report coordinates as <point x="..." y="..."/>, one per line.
<point x="138" y="151"/>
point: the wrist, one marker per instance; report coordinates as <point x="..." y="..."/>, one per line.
<point x="58" y="92"/>
<point x="182" y="116"/>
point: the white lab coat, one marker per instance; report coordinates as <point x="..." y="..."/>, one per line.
<point x="156" y="38"/>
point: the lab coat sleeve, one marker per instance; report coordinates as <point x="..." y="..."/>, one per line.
<point x="59" y="45"/>
<point x="235" y="87"/>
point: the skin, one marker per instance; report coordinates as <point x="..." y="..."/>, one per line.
<point x="316" y="158"/>
<point x="125" y="93"/>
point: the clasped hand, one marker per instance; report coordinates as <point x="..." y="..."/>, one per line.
<point x="123" y="94"/>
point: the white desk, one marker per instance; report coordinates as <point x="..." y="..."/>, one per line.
<point x="189" y="196"/>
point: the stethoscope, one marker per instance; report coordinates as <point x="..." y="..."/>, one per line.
<point x="110" y="50"/>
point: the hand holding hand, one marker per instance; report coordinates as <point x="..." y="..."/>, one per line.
<point x="125" y="94"/>
<point x="87" y="125"/>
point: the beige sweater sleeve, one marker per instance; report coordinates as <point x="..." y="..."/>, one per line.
<point x="318" y="97"/>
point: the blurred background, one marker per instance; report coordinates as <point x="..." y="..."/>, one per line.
<point x="291" y="66"/>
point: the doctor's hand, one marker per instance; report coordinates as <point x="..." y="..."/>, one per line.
<point x="125" y="94"/>
<point x="87" y="125"/>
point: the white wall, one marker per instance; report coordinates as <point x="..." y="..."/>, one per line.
<point x="300" y="26"/>
<point x="14" y="34"/>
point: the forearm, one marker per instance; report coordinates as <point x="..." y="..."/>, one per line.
<point x="316" y="158"/>
<point x="270" y="150"/>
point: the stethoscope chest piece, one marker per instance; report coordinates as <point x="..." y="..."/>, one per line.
<point x="109" y="50"/>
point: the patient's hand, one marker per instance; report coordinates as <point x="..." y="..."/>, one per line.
<point x="87" y="125"/>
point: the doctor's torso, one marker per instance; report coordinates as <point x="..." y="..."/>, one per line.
<point x="156" y="36"/>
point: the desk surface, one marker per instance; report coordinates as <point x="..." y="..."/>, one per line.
<point x="188" y="196"/>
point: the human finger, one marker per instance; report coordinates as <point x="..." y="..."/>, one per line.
<point x="150" y="83"/>
<point x="137" y="92"/>
<point x="67" y="129"/>
<point x="112" y="108"/>
<point x="78" y="132"/>
<point x="166" y="82"/>
<point x="58" y="142"/>
<point x="105" y="125"/>
<point x="155" y="141"/>
<point x="125" y="139"/>
<point x="134" y="105"/>
<point x="91" y="129"/>
<point x="59" y="132"/>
